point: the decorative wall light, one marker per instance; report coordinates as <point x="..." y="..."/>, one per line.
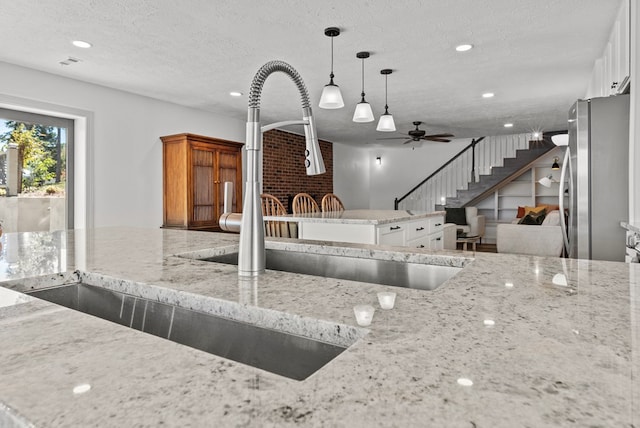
<point x="386" y="124"/>
<point x="379" y="160"/>
<point x="363" y="111"/>
<point x="555" y="165"/>
<point x="547" y="181"/>
<point x="331" y="96"/>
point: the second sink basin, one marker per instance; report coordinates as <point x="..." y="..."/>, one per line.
<point x="282" y="353"/>
<point x="386" y="272"/>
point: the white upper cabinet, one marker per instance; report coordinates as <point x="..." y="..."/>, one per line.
<point x="611" y="72"/>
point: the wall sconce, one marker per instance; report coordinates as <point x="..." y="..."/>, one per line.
<point x="555" y="165"/>
<point x="547" y="181"/>
<point x="379" y="160"/>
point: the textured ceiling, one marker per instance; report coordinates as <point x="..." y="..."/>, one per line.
<point x="535" y="55"/>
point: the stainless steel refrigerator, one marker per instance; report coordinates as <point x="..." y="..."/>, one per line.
<point x="597" y="162"/>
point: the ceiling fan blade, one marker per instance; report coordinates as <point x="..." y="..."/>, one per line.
<point x="440" y="140"/>
<point x="439" y="135"/>
<point x="408" y="141"/>
<point x="392" y="138"/>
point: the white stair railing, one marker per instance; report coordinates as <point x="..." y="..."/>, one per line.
<point x="456" y="174"/>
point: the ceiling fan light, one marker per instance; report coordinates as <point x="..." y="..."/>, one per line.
<point x="386" y="123"/>
<point x="363" y="112"/>
<point x="331" y="97"/>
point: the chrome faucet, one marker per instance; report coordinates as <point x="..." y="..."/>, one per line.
<point x="251" y="255"/>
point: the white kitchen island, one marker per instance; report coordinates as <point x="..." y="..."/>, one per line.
<point x="378" y="227"/>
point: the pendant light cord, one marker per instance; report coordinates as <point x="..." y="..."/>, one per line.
<point x="386" y="107"/>
<point x="362" y="80"/>
<point x="331" y="75"/>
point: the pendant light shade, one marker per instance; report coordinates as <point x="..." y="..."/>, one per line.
<point x="363" y="111"/>
<point x="331" y="96"/>
<point x="386" y="123"/>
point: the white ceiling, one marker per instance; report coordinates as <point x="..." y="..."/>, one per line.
<point x="535" y="55"/>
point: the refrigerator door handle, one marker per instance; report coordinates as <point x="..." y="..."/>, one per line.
<point x="566" y="166"/>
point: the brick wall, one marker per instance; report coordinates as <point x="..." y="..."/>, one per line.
<point x="284" y="174"/>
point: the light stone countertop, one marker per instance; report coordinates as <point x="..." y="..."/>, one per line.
<point x="553" y="355"/>
<point x="632" y="227"/>
<point x="372" y="217"/>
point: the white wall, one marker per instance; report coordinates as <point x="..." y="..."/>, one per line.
<point x="351" y="166"/>
<point x="124" y="137"/>
<point x="404" y="167"/>
<point x="361" y="183"/>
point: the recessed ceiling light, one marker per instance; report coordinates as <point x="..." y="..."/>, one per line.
<point x="488" y="95"/>
<point x="465" y="381"/>
<point x="464" y="48"/>
<point x="81" y="44"/>
<point x="235" y="94"/>
<point x="508" y="125"/>
<point x="81" y="389"/>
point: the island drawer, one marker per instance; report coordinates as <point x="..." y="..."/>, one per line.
<point x="417" y="229"/>
<point x="391" y="234"/>
<point x="432" y="242"/>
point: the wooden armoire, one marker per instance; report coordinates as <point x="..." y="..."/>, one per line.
<point x="194" y="170"/>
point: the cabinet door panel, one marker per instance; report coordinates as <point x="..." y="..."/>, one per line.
<point x="228" y="171"/>
<point x="203" y="188"/>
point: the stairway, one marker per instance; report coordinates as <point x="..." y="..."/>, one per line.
<point x="501" y="175"/>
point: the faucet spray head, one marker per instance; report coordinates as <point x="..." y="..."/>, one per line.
<point x="313" y="162"/>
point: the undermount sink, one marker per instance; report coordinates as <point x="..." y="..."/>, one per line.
<point x="282" y="353"/>
<point x="420" y="276"/>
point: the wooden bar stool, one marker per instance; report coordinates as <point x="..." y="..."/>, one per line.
<point x="303" y="203"/>
<point x="331" y="202"/>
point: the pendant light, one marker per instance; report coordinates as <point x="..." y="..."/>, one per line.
<point x="386" y="124"/>
<point x="363" y="111"/>
<point x="331" y="96"/>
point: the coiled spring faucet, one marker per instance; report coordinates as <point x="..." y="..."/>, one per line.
<point x="251" y="255"/>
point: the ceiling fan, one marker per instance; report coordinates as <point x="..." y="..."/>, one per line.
<point x="419" y="134"/>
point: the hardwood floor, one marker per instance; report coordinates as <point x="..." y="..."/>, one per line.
<point x="485" y="248"/>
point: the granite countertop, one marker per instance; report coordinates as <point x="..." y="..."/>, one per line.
<point x="372" y="217"/>
<point x="630" y="226"/>
<point x="544" y="341"/>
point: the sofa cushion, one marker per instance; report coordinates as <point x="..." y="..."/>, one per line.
<point x="552" y="219"/>
<point x="456" y="215"/>
<point x="533" y="218"/>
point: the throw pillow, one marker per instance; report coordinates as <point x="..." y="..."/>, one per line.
<point x="520" y="212"/>
<point x="456" y="215"/>
<point x="534" y="210"/>
<point x="533" y="218"/>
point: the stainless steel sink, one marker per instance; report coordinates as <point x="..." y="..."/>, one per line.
<point x="400" y="274"/>
<point x="285" y="354"/>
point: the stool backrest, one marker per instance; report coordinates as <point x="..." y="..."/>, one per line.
<point x="272" y="206"/>
<point x="303" y="203"/>
<point x="331" y="202"/>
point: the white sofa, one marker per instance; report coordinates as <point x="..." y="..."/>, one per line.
<point x="543" y="240"/>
